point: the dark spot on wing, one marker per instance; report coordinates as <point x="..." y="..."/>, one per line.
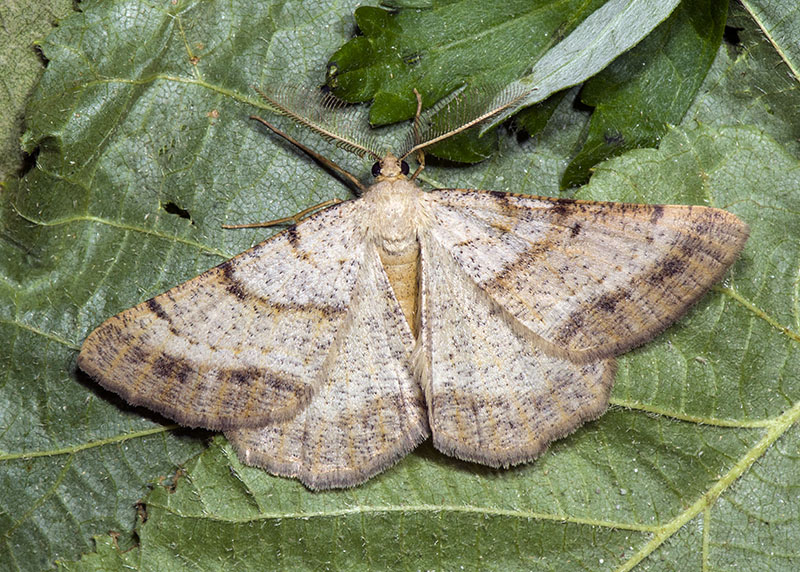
<point x="608" y="302"/>
<point x="155" y="307"/>
<point x="563" y="207"/>
<point x="166" y="367"/>
<point x="136" y="354"/>
<point x="233" y="285"/>
<point x="572" y="326"/>
<point x="657" y="214"/>
<point x="671" y="266"/>
<point x="293" y="237"/>
<point x="243" y="377"/>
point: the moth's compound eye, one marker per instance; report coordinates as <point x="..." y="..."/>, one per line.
<point x="376" y="169"/>
<point x="404" y="167"/>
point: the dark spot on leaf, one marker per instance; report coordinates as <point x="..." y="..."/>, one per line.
<point x="412" y="59"/>
<point x="614" y="138"/>
<point x="141" y="511"/>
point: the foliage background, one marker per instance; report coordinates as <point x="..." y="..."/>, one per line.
<point x="141" y="148"/>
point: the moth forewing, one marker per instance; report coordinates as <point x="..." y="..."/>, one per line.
<point x="485" y="319"/>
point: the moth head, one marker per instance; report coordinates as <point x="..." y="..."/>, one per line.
<point x="390" y="168"/>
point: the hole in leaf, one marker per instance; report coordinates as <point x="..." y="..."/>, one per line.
<point x="172" y="208"/>
<point x="731" y="35"/>
<point x="40" y="55"/>
<point x="28" y="161"/>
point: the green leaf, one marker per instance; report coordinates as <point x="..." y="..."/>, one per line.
<point x="608" y="32"/>
<point x="23" y="23"/>
<point x="780" y="21"/>
<point x="141" y="121"/>
<point x="436" y="50"/>
<point x="486" y="46"/>
<point x="635" y="98"/>
<point x="750" y="82"/>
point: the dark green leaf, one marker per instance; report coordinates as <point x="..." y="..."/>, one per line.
<point x="635" y="98"/>
<point x="438" y="49"/>
<point x="486" y="46"/>
<point x="750" y="82"/>
<point x="605" y="34"/>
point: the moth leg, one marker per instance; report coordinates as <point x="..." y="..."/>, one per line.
<point x="324" y="161"/>
<point x="294" y="219"/>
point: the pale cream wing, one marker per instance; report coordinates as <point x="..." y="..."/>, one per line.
<point x="243" y="343"/>
<point x="588" y="279"/>
<point x="493" y="396"/>
<point x="369" y="410"/>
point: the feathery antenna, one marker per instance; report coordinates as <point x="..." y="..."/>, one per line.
<point x="324" y="114"/>
<point x="458" y="112"/>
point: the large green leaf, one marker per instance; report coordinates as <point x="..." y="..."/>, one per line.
<point x="144" y="150"/>
<point x="439" y="48"/>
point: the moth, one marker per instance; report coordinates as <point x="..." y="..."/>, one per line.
<point x="486" y="320"/>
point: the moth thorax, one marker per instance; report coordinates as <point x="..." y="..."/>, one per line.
<point x="395" y="214"/>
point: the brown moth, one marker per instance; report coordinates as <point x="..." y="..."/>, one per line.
<point x="486" y="320"/>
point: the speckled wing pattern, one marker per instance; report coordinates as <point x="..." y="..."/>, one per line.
<point x="244" y="343"/>
<point x="368" y="413"/>
<point x="588" y="279"/>
<point x="525" y="301"/>
<point x="493" y="396"/>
